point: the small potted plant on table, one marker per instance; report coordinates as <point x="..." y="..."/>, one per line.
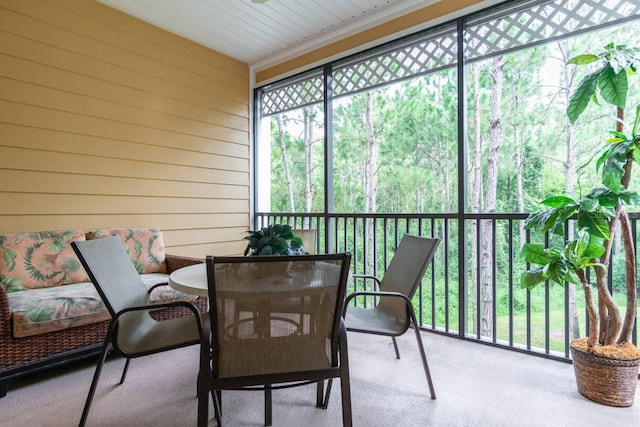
<point x="276" y="239"/>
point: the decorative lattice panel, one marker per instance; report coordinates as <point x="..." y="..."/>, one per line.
<point x="293" y="95"/>
<point x="419" y="57"/>
<point x="543" y="21"/>
<point x="515" y="26"/>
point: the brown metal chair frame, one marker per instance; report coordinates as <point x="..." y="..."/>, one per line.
<point x="106" y="261"/>
<point x="209" y="382"/>
<point x="408" y="245"/>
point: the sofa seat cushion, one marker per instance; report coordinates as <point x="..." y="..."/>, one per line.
<point x="38" y="311"/>
<point x="40" y="260"/>
<point x="145" y="246"/>
<point x="163" y="293"/>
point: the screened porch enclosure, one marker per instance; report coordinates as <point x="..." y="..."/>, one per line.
<point x="455" y="132"/>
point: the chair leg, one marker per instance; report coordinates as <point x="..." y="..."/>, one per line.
<point x="204" y="387"/>
<point x="203" y="402"/>
<point x="423" y="355"/>
<point x="320" y="394"/>
<point x="327" y="394"/>
<point x="345" y="383"/>
<point x="395" y="347"/>
<point x="96" y="377"/>
<point x="124" y="371"/>
<point x="267" y="405"/>
<point x="4" y="387"/>
<point x="216" y="395"/>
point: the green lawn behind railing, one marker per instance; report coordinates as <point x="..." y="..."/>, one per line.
<point x="535" y="321"/>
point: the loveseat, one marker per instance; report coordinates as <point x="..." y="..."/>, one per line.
<point x="51" y="314"/>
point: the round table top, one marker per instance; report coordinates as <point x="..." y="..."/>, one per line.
<point x="193" y="280"/>
<point x="190" y="280"/>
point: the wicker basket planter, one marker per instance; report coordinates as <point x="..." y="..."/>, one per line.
<point x="604" y="380"/>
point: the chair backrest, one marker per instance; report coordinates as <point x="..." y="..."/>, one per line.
<point x="110" y="269"/>
<point x="309" y="238"/>
<point x="405" y="271"/>
<point x="275" y="314"/>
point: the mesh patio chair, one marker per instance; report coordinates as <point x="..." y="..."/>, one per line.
<point x="132" y="331"/>
<point x="268" y="347"/>
<point x="394" y="313"/>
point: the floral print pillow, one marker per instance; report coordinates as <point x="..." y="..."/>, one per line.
<point x="144" y="245"/>
<point x="39" y="260"/>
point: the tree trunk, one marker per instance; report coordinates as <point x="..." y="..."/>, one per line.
<point x="285" y="163"/>
<point x="611" y="322"/>
<point x="630" y="274"/>
<point x="370" y="179"/>
<point x="592" y="310"/>
<point x="476" y="189"/>
<point x="487" y="256"/>
<point x="569" y="168"/>
<point x="308" y="161"/>
<point x="629" y="251"/>
<point x="520" y="188"/>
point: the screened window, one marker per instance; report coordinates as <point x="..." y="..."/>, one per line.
<point x="385" y="133"/>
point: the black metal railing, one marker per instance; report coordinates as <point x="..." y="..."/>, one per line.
<point x="474" y="297"/>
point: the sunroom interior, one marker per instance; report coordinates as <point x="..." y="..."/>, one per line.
<point x="117" y="116"/>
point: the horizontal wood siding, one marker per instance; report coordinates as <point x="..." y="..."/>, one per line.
<point x="106" y="121"/>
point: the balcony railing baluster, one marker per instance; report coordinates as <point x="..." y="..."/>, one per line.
<point x="521" y="320"/>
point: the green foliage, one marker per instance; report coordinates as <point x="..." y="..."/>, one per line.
<point x="609" y="81"/>
<point x="276" y="239"/>
<point x="560" y="265"/>
<point x="593" y="211"/>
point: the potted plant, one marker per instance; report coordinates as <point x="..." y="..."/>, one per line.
<point x="607" y="352"/>
<point x="276" y="239"/>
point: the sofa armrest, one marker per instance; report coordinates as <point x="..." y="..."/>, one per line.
<point x="5" y="311"/>
<point x="5" y="333"/>
<point x="175" y="262"/>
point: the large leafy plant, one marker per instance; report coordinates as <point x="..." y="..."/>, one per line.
<point x="599" y="213"/>
<point x="276" y="239"/>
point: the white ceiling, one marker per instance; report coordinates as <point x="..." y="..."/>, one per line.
<point x="261" y="33"/>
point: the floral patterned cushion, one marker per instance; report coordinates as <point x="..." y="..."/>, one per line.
<point x="40" y="260"/>
<point x="163" y="293"/>
<point x="144" y="245"/>
<point x="37" y="311"/>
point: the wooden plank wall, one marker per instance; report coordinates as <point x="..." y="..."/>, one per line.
<point x="106" y="121"/>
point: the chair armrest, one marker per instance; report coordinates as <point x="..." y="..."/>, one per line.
<point x="157" y="285"/>
<point x="175" y="262"/>
<point x="154" y="306"/>
<point x="365" y="276"/>
<point x="376" y="281"/>
<point x="374" y="294"/>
